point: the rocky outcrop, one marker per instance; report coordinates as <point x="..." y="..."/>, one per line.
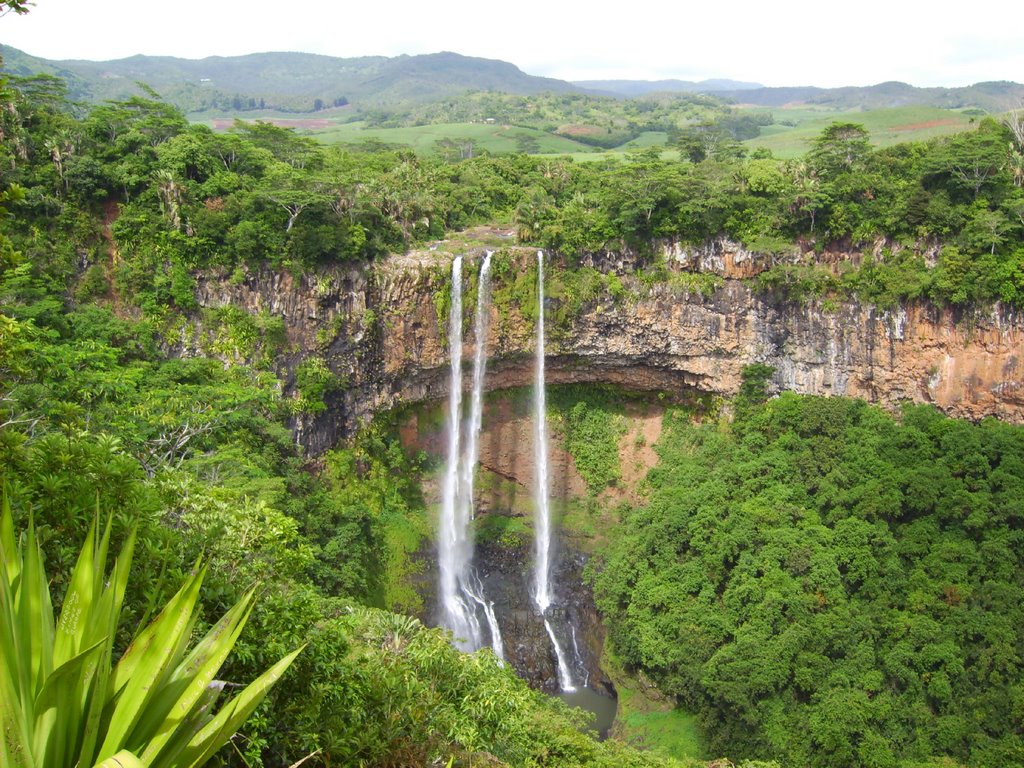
<point x="378" y="329"/>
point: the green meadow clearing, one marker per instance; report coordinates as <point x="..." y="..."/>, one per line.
<point x="789" y="136"/>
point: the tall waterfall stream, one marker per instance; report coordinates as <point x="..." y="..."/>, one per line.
<point x="474" y="605"/>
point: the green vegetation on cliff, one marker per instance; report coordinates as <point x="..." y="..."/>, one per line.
<point x="826" y="585"/>
<point x="175" y="199"/>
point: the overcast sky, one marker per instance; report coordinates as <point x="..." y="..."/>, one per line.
<point x="801" y="42"/>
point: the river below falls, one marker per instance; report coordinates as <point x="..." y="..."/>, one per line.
<point x="601" y="706"/>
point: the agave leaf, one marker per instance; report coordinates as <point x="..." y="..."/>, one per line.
<point x="8" y="544"/>
<point x="76" y="612"/>
<point x="194" y="675"/>
<point x="36" y="613"/>
<point x="15" y="743"/>
<point x="15" y="749"/>
<point x="110" y="608"/>
<point x="200" y="714"/>
<point x="123" y="759"/>
<point x="160" y="654"/>
<point x="224" y="724"/>
<point x="231" y="622"/>
<point x="132" y="657"/>
<point x="58" y="708"/>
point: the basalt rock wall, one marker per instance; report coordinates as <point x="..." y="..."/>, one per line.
<point x="379" y="329"/>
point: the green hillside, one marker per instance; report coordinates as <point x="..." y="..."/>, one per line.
<point x="795" y="128"/>
<point x="456" y="139"/>
<point x="292" y="81"/>
<point x="993" y="96"/>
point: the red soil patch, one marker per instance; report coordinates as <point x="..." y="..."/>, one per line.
<point x="311" y="124"/>
<point x="578" y="130"/>
<point x="926" y="124"/>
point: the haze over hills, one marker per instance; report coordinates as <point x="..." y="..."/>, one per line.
<point x="997" y="96"/>
<point x="303" y="82"/>
<point x="290" y="81"/>
<point x="630" y="88"/>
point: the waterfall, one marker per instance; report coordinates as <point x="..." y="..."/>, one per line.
<point x="460" y="589"/>
<point x="471" y="454"/>
<point x="453" y="544"/>
<point x="564" y="676"/>
<point x="475" y="591"/>
<point x="580" y="664"/>
<point x="542" y="566"/>
<point x="470" y="582"/>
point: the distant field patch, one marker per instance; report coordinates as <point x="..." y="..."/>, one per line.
<point x="580" y="130"/>
<point x="794" y="130"/>
<point x="646" y="139"/>
<point x="927" y="125"/>
<point x="455" y="138"/>
<point x="299" y="124"/>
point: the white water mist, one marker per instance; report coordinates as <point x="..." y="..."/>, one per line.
<point x="542" y="563"/>
<point x="565" y="681"/>
<point x="461" y="591"/>
<point x="542" y="594"/>
<point x="453" y="543"/>
<point x="471" y="453"/>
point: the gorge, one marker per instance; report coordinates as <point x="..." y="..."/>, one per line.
<point x="660" y="338"/>
<point x="725" y="445"/>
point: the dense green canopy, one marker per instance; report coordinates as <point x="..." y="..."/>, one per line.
<point x="823" y="583"/>
<point x="831" y="586"/>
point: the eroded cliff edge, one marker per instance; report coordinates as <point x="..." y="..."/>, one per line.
<point x="377" y="329"/>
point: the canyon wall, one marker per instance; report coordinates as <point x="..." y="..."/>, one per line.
<point x="376" y="327"/>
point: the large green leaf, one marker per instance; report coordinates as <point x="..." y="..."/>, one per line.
<point x="197" y="672"/>
<point x="35" y="617"/>
<point x="58" y="707"/>
<point x="231" y="716"/>
<point x="159" y="652"/>
<point x="59" y="696"/>
<point x="78" y="600"/>
<point x="132" y="658"/>
<point x="110" y="607"/>
<point x="123" y="759"/>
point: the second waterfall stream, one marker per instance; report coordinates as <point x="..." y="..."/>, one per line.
<point x="542" y="588"/>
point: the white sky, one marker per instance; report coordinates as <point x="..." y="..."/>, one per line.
<point x="787" y="42"/>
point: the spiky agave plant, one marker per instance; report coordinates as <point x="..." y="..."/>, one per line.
<point x="63" y="704"/>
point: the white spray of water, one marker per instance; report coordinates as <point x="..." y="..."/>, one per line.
<point x="580" y="665"/>
<point x="564" y="675"/>
<point x="453" y="544"/>
<point x="542" y="566"/>
<point x="471" y="454"/>
<point x="460" y="588"/>
<point x="474" y="590"/>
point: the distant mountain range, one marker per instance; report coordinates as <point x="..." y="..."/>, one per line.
<point x="290" y="81"/>
<point x="304" y="82"/>
<point x="631" y="88"/>
<point x="997" y="96"/>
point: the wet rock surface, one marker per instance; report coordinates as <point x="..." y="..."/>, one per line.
<point x="507" y="578"/>
<point x="376" y="327"/>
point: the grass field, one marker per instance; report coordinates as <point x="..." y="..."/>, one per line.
<point x="652" y="722"/>
<point x="886" y="126"/>
<point x="493" y="138"/>
<point x="791" y="135"/>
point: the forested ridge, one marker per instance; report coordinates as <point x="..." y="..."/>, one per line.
<point x="855" y="602"/>
<point x="830" y="585"/>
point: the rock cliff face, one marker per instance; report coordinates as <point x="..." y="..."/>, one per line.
<point x="378" y="330"/>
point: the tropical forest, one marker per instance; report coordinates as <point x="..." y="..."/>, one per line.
<point x="417" y="411"/>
